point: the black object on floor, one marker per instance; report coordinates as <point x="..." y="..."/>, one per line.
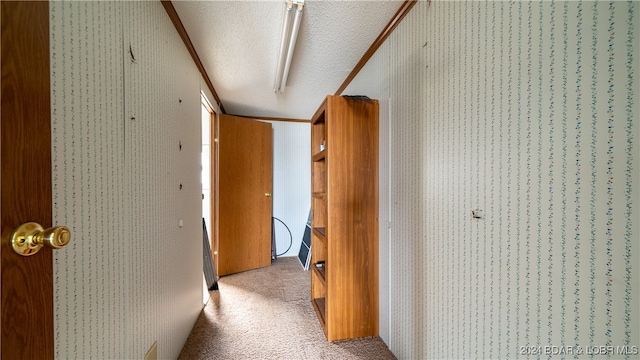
<point x="304" y="255"/>
<point x="207" y="261"/>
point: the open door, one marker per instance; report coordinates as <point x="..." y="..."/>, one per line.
<point x="26" y="319"/>
<point x="244" y="194"/>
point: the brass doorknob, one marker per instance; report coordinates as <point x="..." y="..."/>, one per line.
<point x="267" y="194"/>
<point x="28" y="238"/>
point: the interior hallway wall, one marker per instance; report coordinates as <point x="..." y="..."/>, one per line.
<point x="291" y="183"/>
<point x="126" y="160"/>
<point x="528" y="111"/>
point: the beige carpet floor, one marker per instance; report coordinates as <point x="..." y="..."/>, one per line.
<point x="267" y="314"/>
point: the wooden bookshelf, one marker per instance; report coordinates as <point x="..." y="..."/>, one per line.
<point x="344" y="208"/>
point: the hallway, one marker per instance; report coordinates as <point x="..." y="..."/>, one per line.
<point x="267" y="314"/>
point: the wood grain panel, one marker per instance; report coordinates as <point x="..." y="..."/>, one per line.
<point x="352" y="218"/>
<point x="245" y="175"/>
<point x="27" y="283"/>
<point x="349" y="210"/>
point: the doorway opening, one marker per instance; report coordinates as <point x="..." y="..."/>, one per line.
<point x="208" y="176"/>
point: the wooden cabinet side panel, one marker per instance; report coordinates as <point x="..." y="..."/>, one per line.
<point x="352" y="258"/>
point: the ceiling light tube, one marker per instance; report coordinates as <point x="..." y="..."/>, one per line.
<point x="290" y="29"/>
<point x="284" y="43"/>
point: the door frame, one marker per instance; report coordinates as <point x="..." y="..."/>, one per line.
<point x="213" y="177"/>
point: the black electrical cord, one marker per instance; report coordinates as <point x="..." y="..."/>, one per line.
<point x="290" y="237"/>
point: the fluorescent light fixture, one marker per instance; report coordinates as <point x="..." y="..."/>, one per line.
<point x="292" y="17"/>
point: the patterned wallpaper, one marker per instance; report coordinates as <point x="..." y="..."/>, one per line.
<point x="126" y="160"/>
<point x="529" y="112"/>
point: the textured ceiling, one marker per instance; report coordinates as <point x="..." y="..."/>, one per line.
<point x="238" y="43"/>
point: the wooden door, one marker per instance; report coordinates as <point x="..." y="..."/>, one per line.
<point x="26" y="318"/>
<point x="244" y="194"/>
